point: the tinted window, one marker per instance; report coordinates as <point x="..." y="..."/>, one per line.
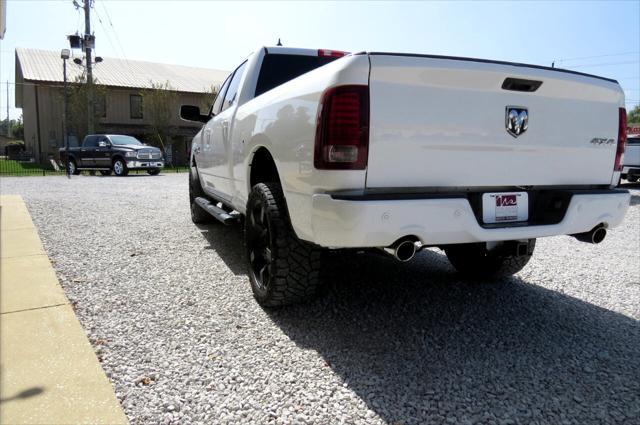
<point x="124" y="140"/>
<point x="633" y="141"/>
<point x="90" y="142"/>
<point x="217" y="105"/>
<point x="278" y="69"/>
<point x="232" y="94"/>
<point x="101" y="105"/>
<point x="135" y="106"/>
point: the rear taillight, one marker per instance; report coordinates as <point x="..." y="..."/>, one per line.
<point x="331" y="53"/>
<point x="342" y="133"/>
<point x="622" y="139"/>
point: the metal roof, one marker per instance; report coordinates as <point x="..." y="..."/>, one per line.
<point x="44" y="65"/>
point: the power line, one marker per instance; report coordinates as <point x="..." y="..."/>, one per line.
<point x="104" y="7"/>
<point x="602" y="64"/>
<point x="115" y="49"/>
<point x="597" y="56"/>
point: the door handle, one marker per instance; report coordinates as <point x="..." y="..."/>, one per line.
<point x="225" y="130"/>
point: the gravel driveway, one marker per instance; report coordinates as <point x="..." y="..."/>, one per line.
<point x="168" y="308"/>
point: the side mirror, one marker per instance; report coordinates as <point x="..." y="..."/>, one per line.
<point x="192" y="113"/>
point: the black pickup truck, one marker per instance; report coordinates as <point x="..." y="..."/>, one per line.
<point x="112" y="152"/>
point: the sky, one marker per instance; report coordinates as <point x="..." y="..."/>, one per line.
<point x="597" y="37"/>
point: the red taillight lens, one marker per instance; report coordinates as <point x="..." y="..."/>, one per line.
<point x="331" y="53"/>
<point x="622" y="139"/>
<point x="342" y="132"/>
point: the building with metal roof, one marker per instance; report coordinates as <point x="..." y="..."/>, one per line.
<point x="39" y="92"/>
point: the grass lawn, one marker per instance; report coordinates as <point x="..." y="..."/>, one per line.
<point x="15" y="168"/>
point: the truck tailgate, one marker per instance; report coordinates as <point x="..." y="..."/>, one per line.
<point x="441" y="122"/>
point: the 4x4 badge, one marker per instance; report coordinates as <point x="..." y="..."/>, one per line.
<point x="516" y="120"/>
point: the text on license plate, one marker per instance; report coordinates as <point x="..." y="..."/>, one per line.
<point x="504" y="207"/>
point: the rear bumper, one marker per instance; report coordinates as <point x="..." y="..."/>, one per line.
<point x="340" y="223"/>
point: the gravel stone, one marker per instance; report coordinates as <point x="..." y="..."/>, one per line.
<point x="388" y="343"/>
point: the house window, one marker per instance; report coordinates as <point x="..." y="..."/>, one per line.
<point x="101" y="106"/>
<point x="135" y="105"/>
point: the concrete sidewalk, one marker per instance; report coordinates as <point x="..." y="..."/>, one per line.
<point x="49" y="372"/>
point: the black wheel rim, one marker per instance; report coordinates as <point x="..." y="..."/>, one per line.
<point x="259" y="244"/>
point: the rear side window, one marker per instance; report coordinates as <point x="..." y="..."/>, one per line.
<point x="232" y="93"/>
<point x="90" y="142"/>
<point x="278" y="69"/>
<point x="217" y="105"/>
<point x="633" y="141"/>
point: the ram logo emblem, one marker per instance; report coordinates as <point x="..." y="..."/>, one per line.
<point x="516" y="120"/>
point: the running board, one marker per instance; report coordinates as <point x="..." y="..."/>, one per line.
<point x="218" y="213"/>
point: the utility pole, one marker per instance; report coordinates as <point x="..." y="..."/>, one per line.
<point x="88" y="45"/>
<point x="65" y="54"/>
<point x="8" y="122"/>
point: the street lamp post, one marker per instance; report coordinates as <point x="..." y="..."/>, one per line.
<point x="65" y="54"/>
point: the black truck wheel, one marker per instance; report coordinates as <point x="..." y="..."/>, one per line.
<point x="120" y="167"/>
<point x="73" y="167"/>
<point x="154" y="172"/>
<point x="198" y="215"/>
<point x="105" y="172"/>
<point x="474" y="260"/>
<point x="282" y="268"/>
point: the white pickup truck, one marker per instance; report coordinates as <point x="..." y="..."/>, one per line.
<point x="318" y="149"/>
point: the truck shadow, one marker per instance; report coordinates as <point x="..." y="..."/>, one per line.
<point x="228" y="243"/>
<point x="418" y="345"/>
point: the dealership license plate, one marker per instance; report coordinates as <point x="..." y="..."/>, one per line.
<point x="505" y="207"/>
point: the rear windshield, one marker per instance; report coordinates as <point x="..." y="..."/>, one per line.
<point x="633" y="141"/>
<point x="278" y="69"/>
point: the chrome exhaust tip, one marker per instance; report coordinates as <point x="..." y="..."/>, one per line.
<point x="594" y="236"/>
<point x="402" y="251"/>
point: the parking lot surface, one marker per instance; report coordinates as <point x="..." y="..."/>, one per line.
<point x="169" y="311"/>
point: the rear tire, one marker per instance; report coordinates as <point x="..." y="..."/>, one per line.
<point x="632" y="179"/>
<point x="474" y="260"/>
<point x="153" y="172"/>
<point x="198" y="215"/>
<point x="105" y="172"/>
<point x="282" y="268"/>
<point x="120" y="167"/>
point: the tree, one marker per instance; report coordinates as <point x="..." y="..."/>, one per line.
<point x="77" y="106"/>
<point x="633" y="116"/>
<point x="160" y="103"/>
<point x="13" y="127"/>
<point x="17" y="129"/>
<point x="208" y="98"/>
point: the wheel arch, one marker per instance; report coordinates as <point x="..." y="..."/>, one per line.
<point x="117" y="156"/>
<point x="262" y="168"/>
